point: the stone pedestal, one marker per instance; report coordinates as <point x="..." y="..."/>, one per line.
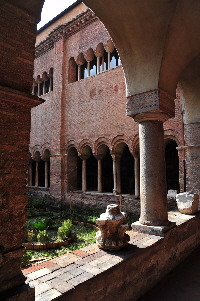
<point x="112" y="226"/>
<point x="187" y="203"/>
<point x="152" y="230"/>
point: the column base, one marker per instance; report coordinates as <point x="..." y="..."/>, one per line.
<point x="152" y="230"/>
<point x="24" y="292"/>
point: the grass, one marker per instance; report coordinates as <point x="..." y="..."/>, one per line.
<point x="84" y="235"/>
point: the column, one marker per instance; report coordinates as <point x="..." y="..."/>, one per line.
<point x="114" y="175"/>
<point x="46" y="174"/>
<point x="99" y="176"/>
<point x="84" y="181"/>
<point x="118" y="175"/>
<point x="108" y="60"/>
<point x="30" y="174"/>
<point x="137" y="175"/>
<point x="153" y="191"/>
<point x="36" y="173"/>
<point x="79" y="72"/>
<point x="44" y="87"/>
<point x="88" y="68"/>
<point x="51" y="84"/>
<point x="98" y="64"/>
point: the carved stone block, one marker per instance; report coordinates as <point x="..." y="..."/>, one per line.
<point x="112" y="226"/>
<point x="187" y="203"/>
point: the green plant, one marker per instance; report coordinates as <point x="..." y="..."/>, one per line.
<point x="26" y="258"/>
<point x="30" y="234"/>
<point x="41" y="225"/>
<point x="65" y="230"/>
<point x="42" y="236"/>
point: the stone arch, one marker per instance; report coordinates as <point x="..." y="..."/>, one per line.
<point x="170" y="134"/>
<point x="120" y="140"/>
<point x="99" y="51"/>
<point x="100" y="141"/>
<point x="85" y="144"/>
<point x="71" y="144"/>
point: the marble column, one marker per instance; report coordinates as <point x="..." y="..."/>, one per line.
<point x="153" y="191"/>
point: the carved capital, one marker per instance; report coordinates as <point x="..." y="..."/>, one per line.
<point x="154" y="101"/>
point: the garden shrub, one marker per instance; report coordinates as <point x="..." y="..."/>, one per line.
<point x="30" y="235"/>
<point x="65" y="230"/>
<point x="26" y="259"/>
<point x="42" y="236"/>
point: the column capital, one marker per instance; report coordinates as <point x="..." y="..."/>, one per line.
<point x="153" y="116"/>
<point x="115" y="155"/>
<point x="84" y="157"/>
<point x="151" y="101"/>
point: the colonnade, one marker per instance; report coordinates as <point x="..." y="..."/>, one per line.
<point x="39" y="170"/>
<point x="116" y="173"/>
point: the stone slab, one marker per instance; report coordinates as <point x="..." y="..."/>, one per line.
<point x="152" y="230"/>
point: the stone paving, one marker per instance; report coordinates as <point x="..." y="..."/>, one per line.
<point x="54" y="277"/>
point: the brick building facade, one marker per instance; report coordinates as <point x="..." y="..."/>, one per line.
<point x="82" y="141"/>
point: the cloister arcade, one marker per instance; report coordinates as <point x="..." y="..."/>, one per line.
<point x="159" y="46"/>
<point x="112" y="171"/>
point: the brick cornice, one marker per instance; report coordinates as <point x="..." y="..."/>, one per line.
<point x="65" y="31"/>
<point x="15" y="97"/>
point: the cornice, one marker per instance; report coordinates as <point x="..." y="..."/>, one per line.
<point x="65" y="31"/>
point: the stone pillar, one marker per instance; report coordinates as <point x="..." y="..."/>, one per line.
<point x="114" y="175"/>
<point x="46" y="174"/>
<point x="84" y="181"/>
<point x="137" y="175"/>
<point x="108" y="60"/>
<point x="79" y="72"/>
<point x="99" y="176"/>
<point x="153" y="191"/>
<point x="30" y="174"/>
<point x="36" y="174"/>
<point x="118" y="175"/>
<point x="88" y="68"/>
<point x="51" y="84"/>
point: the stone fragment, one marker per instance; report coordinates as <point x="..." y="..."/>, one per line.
<point x="112" y="226"/>
<point x="187" y="202"/>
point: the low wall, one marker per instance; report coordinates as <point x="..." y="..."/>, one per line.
<point x="134" y="276"/>
<point x="93" y="200"/>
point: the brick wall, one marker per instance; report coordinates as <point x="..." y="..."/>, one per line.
<point x="86" y="111"/>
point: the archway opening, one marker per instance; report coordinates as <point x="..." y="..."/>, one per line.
<point x="91" y="173"/>
<point x="107" y="172"/>
<point x="172" y="165"/>
<point x="127" y="172"/>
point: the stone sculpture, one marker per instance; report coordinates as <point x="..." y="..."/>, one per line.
<point x="187" y="202"/>
<point x="112" y="227"/>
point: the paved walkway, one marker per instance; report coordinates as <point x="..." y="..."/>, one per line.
<point x="54" y="277"/>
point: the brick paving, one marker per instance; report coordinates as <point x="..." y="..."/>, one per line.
<point x="54" y="277"/>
